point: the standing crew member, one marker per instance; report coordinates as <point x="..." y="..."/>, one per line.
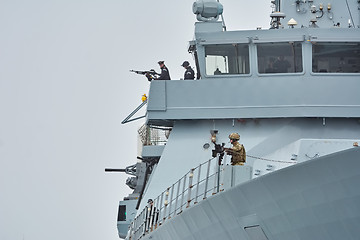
<point x="189" y="73"/>
<point x="153" y="214"/>
<point x="164" y="75"/>
<point x="237" y="150"/>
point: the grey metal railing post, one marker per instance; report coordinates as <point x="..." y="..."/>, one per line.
<point x="191" y="175"/>
<point x="144" y="221"/>
<point x="148" y="217"/>
<point x="207" y="178"/>
<point x="215" y="182"/>
<point x="133" y="230"/>
<point x="182" y="194"/>
<point x="171" y="200"/>
<point x="141" y="223"/>
<point x="197" y="185"/>
<point x="217" y="175"/>
<point x="157" y="211"/>
<point x="166" y="202"/>
<point x="177" y="196"/>
<point x="138" y="228"/>
<point x="160" y="211"/>
<point x="150" y="223"/>
<point x="137" y="225"/>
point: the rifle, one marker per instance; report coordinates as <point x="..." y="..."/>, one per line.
<point x="151" y="75"/>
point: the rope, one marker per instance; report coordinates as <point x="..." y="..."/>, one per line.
<point x="270" y="160"/>
<point x="352" y="21"/>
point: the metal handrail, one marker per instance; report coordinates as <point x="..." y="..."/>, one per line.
<point x="168" y="205"/>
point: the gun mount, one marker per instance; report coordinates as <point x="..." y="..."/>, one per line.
<point x="131" y="170"/>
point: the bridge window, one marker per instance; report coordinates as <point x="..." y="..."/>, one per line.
<point x="227" y="59"/>
<point x="336" y="57"/>
<point x="279" y="57"/>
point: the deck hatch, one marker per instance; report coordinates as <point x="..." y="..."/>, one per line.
<point x="255" y="233"/>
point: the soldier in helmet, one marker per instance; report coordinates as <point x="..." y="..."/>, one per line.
<point x="237" y="151"/>
<point x="189" y="72"/>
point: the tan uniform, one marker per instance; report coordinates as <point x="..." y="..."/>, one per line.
<point x="238" y="153"/>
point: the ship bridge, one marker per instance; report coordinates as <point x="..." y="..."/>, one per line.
<point x="306" y="65"/>
<point x="238" y="80"/>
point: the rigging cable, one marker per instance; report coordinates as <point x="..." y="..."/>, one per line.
<point x="270" y="160"/>
<point x="352" y="21"/>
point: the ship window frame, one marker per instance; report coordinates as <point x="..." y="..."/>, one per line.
<point x="301" y="62"/>
<point x="327" y="70"/>
<point x="247" y="68"/>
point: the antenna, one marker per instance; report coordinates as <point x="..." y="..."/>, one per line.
<point x="222" y="20"/>
<point x="351" y="18"/>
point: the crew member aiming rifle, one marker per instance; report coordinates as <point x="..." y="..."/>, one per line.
<point x="152" y="75"/>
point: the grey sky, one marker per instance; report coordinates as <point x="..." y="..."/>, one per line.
<point x="65" y="86"/>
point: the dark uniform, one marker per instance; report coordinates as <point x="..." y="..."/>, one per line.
<point x="152" y="216"/>
<point x="189" y="72"/>
<point x="164" y="75"/>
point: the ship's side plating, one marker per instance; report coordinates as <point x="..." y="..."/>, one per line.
<point x="299" y="124"/>
<point x="316" y="199"/>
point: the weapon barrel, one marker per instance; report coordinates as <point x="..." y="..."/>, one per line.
<point x="115" y="170"/>
<point x="139" y="72"/>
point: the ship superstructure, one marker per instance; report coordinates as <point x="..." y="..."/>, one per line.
<point x="292" y="93"/>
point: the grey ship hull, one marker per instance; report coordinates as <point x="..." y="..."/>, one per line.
<point x="319" y="200"/>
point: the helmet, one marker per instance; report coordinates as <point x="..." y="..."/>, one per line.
<point x="160" y="62"/>
<point x="185" y="64"/>
<point x="234" y="136"/>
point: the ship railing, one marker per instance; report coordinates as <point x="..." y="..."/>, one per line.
<point x="196" y="185"/>
<point x="153" y="135"/>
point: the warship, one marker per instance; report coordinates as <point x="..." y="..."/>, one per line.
<point x="292" y="93"/>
